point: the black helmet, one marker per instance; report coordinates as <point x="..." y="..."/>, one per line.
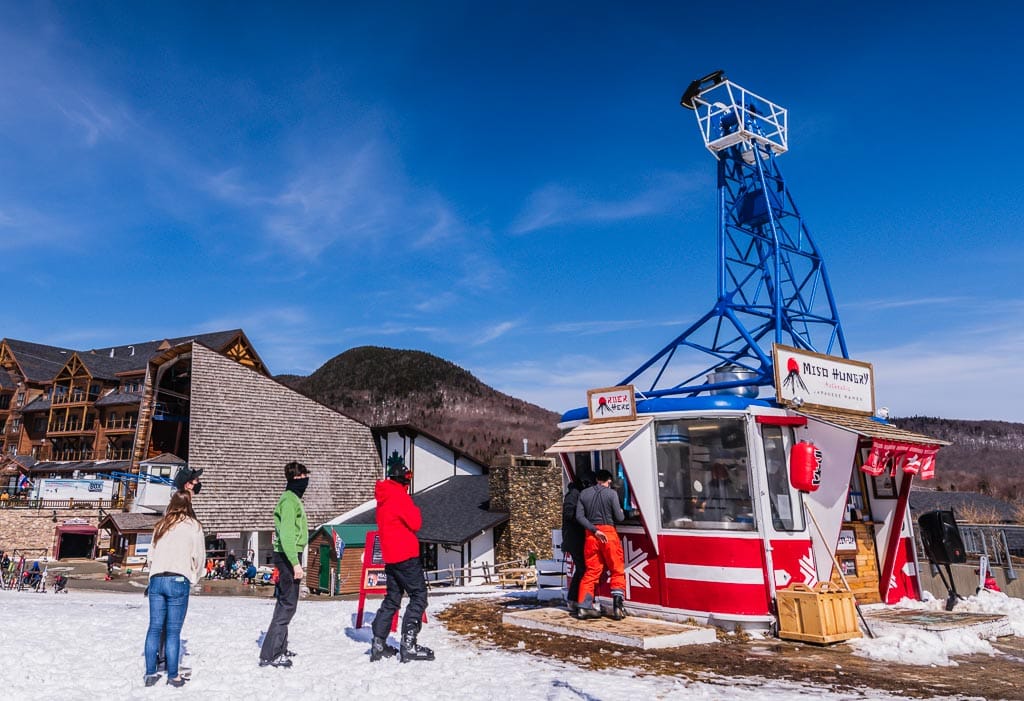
<point x="397" y="469"/>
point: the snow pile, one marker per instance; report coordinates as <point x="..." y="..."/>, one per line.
<point x="88" y="645"/>
<point x="918" y="647"/>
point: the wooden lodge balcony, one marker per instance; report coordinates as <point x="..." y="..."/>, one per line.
<point x="117" y="454"/>
<point x="70" y="427"/>
<point x="127" y="424"/>
<point x="73" y="398"/>
<point x="120" y="425"/>
<point x="75" y="455"/>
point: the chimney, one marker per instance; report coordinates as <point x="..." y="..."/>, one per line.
<point x="529" y="490"/>
<point x="132" y="348"/>
<point x="111" y="352"/>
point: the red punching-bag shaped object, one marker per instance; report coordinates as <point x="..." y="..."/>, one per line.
<point x="805" y="467"/>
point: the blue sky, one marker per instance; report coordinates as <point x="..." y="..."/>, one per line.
<point x="511" y="187"/>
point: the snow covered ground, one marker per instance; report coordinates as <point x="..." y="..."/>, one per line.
<point x="919" y="647"/>
<point x="88" y="645"/>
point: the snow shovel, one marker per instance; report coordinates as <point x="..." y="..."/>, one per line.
<point x="839" y="569"/>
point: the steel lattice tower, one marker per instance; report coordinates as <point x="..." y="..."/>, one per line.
<point x="772" y="283"/>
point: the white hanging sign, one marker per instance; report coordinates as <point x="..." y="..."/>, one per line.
<point x="813" y="379"/>
<point x="611" y="404"/>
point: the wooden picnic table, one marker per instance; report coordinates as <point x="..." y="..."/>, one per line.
<point x="519" y="576"/>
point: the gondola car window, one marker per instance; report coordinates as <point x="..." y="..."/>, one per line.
<point x="609" y="460"/>
<point x="703" y="475"/>
<point x="786" y="508"/>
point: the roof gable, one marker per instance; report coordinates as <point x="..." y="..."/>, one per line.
<point x="38" y="362"/>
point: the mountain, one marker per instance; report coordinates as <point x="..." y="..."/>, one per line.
<point x="985" y="456"/>
<point x="381" y="386"/>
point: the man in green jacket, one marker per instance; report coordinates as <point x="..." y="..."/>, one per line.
<point x="291" y="532"/>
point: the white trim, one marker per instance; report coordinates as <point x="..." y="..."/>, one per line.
<point x="711" y="573"/>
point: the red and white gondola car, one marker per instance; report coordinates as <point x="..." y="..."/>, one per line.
<point x="715" y="526"/>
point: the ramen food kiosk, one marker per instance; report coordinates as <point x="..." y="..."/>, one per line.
<point x="716" y="524"/>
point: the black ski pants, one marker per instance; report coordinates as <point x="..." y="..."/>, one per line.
<point x="404" y="577"/>
<point x="275" y="642"/>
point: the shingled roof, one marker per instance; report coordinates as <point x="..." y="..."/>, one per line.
<point x="38" y="362"/>
<point x="133" y="357"/>
<point x="117" y="398"/>
<point x="245" y="426"/>
<point x="125" y="522"/>
<point x="923" y="500"/>
<point x="84" y="466"/>
<point x="7" y="381"/>
<point x="40" y="403"/>
<point x="454" y="511"/>
<point x="41" y="363"/>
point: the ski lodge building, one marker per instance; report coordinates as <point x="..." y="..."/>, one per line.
<point x="94" y="420"/>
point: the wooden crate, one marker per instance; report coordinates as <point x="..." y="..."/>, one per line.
<point x="825" y="615"/>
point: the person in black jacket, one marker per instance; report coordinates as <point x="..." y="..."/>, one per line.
<point x="573" y="536"/>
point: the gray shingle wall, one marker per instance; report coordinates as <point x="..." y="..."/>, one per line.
<point x="245" y="427"/>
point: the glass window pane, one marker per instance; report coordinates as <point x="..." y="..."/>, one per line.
<point x="703" y="475"/>
<point x="785" y="503"/>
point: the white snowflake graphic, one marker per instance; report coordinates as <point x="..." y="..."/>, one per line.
<point x="636" y="567"/>
<point x="808" y="571"/>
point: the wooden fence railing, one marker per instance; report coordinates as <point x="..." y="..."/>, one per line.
<point x="452" y="576"/>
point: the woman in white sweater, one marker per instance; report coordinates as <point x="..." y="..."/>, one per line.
<point x="176" y="559"/>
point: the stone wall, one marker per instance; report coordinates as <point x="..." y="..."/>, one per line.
<point x="530" y="490"/>
<point x="35" y="529"/>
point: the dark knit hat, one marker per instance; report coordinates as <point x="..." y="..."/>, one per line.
<point x="186" y="474"/>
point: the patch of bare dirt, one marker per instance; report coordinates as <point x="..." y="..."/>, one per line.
<point x="737" y="655"/>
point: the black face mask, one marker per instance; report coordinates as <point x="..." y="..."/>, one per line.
<point x="298" y="485"/>
<point x="198" y="487"/>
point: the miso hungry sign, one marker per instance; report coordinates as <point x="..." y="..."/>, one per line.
<point x="803" y="377"/>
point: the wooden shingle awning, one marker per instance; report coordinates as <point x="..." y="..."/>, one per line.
<point x="610" y="435"/>
<point x="869" y="428"/>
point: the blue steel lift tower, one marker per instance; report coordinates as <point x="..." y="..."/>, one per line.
<point x="772" y="284"/>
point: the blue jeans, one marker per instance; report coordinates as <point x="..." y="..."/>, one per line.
<point x="168" y="602"/>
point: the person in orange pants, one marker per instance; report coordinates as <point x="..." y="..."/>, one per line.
<point x="598" y="510"/>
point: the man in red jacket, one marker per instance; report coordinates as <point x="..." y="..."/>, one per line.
<point x="398" y="519"/>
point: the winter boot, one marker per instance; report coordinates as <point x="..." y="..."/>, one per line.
<point x="413" y="652"/>
<point x="380" y="649"/>
<point x="588" y="609"/>
<point x="618" y="608"/>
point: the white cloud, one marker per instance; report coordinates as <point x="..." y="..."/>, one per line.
<point x="495" y="332"/>
<point x="357" y="194"/>
<point x="969" y="374"/>
<point x="875" y="304"/>
<point x="555" y="205"/>
<point x="560" y="383"/>
<point x="23" y="226"/>
<point x="586" y="328"/>
<point x="97" y="117"/>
